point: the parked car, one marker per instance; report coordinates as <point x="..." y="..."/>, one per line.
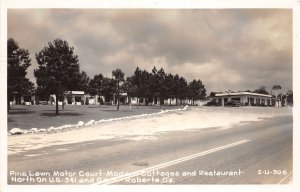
<point x="42" y="102"/>
<point x="212" y="103"/>
<point x="233" y="103"/>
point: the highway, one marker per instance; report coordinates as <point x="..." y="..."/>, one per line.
<point x="256" y="153"/>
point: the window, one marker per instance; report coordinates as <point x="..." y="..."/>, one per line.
<point x="257" y="100"/>
<point x="236" y="99"/>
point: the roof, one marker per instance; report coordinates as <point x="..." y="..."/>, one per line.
<point x="75" y="92"/>
<point x="242" y="93"/>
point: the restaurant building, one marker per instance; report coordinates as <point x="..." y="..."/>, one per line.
<point x="244" y="98"/>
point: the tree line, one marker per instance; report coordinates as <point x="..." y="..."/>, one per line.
<point x="59" y="71"/>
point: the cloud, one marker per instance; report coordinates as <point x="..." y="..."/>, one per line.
<point x="235" y="49"/>
<point x="214" y="72"/>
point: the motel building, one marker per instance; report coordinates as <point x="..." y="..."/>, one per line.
<point x="244" y="99"/>
<point x="77" y="98"/>
<point x="18" y="99"/>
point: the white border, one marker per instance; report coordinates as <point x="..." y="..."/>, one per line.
<point x="3" y="98"/>
<point x="161" y="4"/>
<point x="156" y="4"/>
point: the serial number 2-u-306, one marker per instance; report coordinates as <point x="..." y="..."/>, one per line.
<point x="271" y="172"/>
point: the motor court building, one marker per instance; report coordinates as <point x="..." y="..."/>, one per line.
<point x="245" y="98"/>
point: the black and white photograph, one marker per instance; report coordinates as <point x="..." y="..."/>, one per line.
<point x="149" y="97"/>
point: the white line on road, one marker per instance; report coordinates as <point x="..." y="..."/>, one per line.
<point x="286" y="177"/>
<point x="167" y="164"/>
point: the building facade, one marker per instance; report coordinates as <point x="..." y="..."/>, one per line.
<point x="244" y="99"/>
<point x="81" y="98"/>
<point x="18" y="99"/>
<point x="77" y="98"/>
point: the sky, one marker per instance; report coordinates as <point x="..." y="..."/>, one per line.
<point x="228" y="49"/>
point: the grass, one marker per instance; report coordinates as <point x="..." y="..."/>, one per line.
<point x="43" y="116"/>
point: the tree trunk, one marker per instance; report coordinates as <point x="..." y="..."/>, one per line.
<point x="8" y="105"/>
<point x="139" y="99"/>
<point x="159" y="102"/>
<point x="176" y="101"/>
<point x="99" y="101"/>
<point x="56" y="104"/>
<point x="63" y="103"/>
<point x="118" y="97"/>
<point x="118" y="100"/>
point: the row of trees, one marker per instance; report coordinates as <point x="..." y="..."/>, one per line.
<point x="59" y="71"/>
<point x="162" y="85"/>
<point x="154" y="86"/>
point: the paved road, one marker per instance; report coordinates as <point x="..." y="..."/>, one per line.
<point x="257" y="153"/>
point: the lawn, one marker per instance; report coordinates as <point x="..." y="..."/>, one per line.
<point x="195" y="118"/>
<point x="43" y="116"/>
